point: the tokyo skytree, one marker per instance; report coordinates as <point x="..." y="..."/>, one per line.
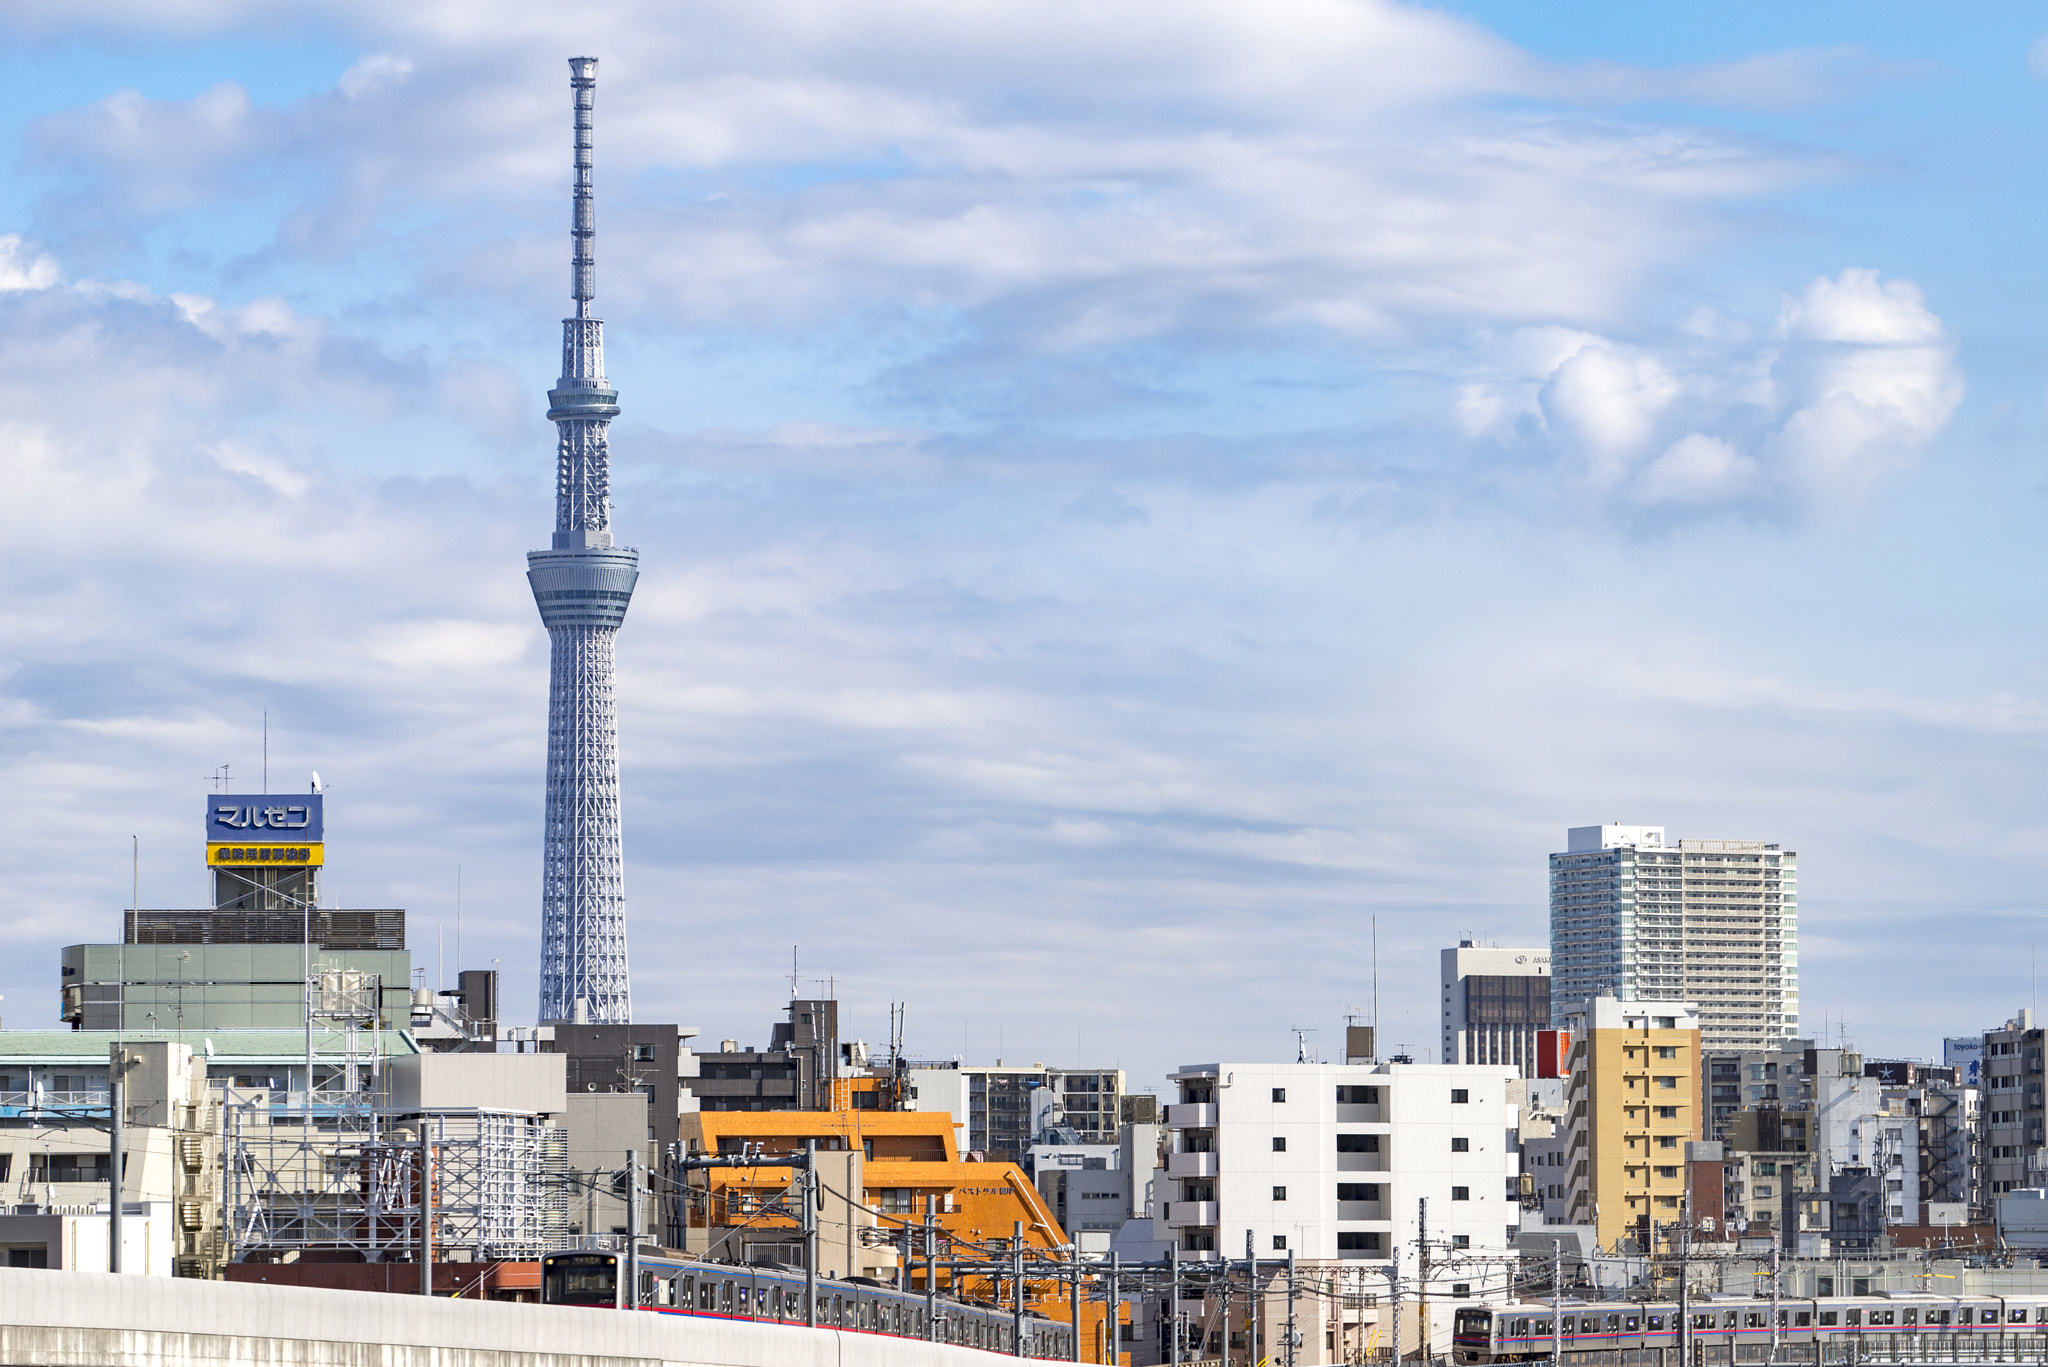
<point x="582" y="586"/>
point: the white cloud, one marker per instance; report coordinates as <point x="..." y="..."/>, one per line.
<point x="1696" y="469"/>
<point x="1855" y="381"/>
<point x="24" y="268"/>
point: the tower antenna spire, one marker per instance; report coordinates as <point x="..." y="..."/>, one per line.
<point x="582" y="585"/>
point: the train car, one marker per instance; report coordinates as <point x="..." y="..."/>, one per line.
<point x="673" y="1285"/>
<point x="1726" y="1330"/>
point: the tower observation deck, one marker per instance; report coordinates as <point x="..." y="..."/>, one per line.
<point x="582" y="585"/>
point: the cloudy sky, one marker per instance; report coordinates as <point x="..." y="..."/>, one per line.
<point x="1128" y="493"/>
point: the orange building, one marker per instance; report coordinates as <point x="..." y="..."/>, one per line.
<point x="895" y="1161"/>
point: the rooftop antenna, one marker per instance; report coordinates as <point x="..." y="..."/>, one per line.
<point x="1375" y="980"/>
<point x="219" y="779"/>
<point x="792" y="973"/>
<point x="1301" y="1042"/>
<point x="266" y="749"/>
<point x="458" y="918"/>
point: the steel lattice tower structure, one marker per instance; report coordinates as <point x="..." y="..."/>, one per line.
<point x="582" y="586"/>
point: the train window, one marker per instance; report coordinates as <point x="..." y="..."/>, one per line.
<point x="1880" y="1317"/>
<point x="1753" y="1320"/>
<point x="1827" y="1319"/>
<point x="1852" y="1317"/>
<point x="839" y="1310"/>
<point x="705" y="1291"/>
<point x="1728" y="1320"/>
<point x="1964" y="1315"/>
<point x="1628" y="1325"/>
<point x="1910" y="1317"/>
<point x="1803" y="1320"/>
<point x="1614" y="1324"/>
<point x="725" y="1296"/>
<point x="1937" y="1317"/>
<point x="1656" y="1323"/>
<point x="2018" y="1315"/>
<point x="686" y="1292"/>
<point x="1703" y="1321"/>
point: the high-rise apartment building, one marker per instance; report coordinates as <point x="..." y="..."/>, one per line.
<point x="1715" y="922"/>
<point x="2015" y="1121"/>
<point x="1633" y="1098"/>
<point x="1494" y="1002"/>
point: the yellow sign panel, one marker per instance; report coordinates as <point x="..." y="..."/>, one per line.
<point x="265" y="854"/>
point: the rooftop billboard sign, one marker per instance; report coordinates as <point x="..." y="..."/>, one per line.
<point x="267" y="818"/>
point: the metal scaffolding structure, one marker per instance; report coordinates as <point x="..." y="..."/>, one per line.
<point x="494" y="1181"/>
<point x="326" y="1167"/>
<point x="582" y="586"/>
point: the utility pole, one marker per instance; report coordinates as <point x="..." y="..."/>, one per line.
<point x="1422" y="1276"/>
<point x="632" y="1229"/>
<point x="426" y="1208"/>
<point x="1116" y="1355"/>
<point x="1557" y="1304"/>
<point x="931" y="1268"/>
<point x="1173" y="1305"/>
<point x="1394" y="1295"/>
<point x="1776" y="1332"/>
<point x="1291" y="1335"/>
<point x="1074" y="1306"/>
<point x="1685" y="1282"/>
<point x="811" y="1233"/>
<point x="118" y="1115"/>
<point x="1228" y="1287"/>
<point x="1253" y="1303"/>
<point x="1017" y="1287"/>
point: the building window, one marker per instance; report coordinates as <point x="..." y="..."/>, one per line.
<point x="1279" y="1193"/>
<point x="1461" y="1289"/>
<point x="1667" y="1051"/>
<point x="643" y="1053"/>
<point x="1279" y="1243"/>
<point x="1461" y="1193"/>
<point x="1358" y="1143"/>
<point x="1358" y="1191"/>
<point x="1279" y="1094"/>
<point x="1279" y="1143"/>
<point x="1667" y="1113"/>
<point x="1667" y="1083"/>
<point x="1667" y="1141"/>
<point x="1357" y="1241"/>
<point x="1667" y="1172"/>
<point x="1460" y="1096"/>
<point x="1663" y="1022"/>
<point x="1461" y="1146"/>
<point x="1461" y="1241"/>
<point x="1358" y="1096"/>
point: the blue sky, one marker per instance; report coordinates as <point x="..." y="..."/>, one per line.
<point x="1127" y="494"/>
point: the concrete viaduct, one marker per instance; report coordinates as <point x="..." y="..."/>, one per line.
<point x="93" y="1319"/>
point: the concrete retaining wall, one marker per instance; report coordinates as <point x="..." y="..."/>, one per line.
<point x="93" y="1319"/>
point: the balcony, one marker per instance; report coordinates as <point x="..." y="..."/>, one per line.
<point x="1191" y="1165"/>
<point x="1182" y="1214"/>
<point x="1191" y="1115"/>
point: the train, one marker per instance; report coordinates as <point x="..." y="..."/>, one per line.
<point x="1724" y="1329"/>
<point x="671" y="1284"/>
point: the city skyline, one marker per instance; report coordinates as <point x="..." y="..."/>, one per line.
<point x="1159" y="519"/>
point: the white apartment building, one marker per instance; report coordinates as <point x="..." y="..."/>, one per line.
<point x="999" y="1111"/>
<point x="1713" y="922"/>
<point x="1333" y="1161"/>
<point x="1494" y="1002"/>
<point x="1096" y="1189"/>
